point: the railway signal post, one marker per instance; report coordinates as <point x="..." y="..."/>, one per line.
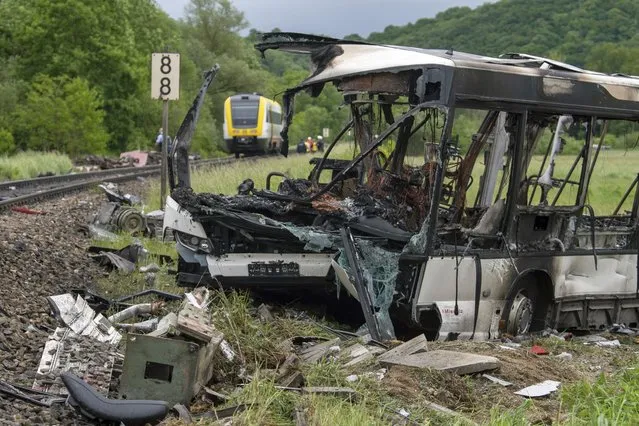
<point x="165" y="85"/>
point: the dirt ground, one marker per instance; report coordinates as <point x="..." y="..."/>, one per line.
<point x="474" y="396"/>
<point x="43" y="255"/>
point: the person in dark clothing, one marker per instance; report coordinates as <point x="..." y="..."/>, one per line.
<point x="301" y="147"/>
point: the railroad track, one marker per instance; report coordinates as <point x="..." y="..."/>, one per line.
<point x="26" y="191"/>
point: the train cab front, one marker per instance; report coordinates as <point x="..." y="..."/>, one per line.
<point x="237" y="251"/>
<point x="251" y="124"/>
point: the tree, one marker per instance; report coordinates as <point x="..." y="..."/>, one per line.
<point x="567" y="30"/>
<point x="211" y="28"/>
<point x="63" y="114"/>
<point x="614" y="58"/>
<point x="107" y="43"/>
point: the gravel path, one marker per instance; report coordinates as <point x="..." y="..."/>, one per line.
<point x="40" y="255"/>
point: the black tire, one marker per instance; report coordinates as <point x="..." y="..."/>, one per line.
<point x="237" y="155"/>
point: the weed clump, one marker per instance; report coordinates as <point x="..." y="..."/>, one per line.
<point x="27" y="165"/>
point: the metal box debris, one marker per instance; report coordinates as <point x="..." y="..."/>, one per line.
<point x="171" y="369"/>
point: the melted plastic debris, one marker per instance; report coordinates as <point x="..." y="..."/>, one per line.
<point x="206" y="203"/>
<point x="334" y="211"/>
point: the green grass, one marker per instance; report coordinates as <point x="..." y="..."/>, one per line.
<point x="257" y="343"/>
<point x="116" y="284"/>
<point x="153" y="245"/>
<point x="610" y="400"/>
<point x="26" y="165"/>
<point x="614" y="172"/>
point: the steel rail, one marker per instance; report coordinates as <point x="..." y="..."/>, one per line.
<point x="68" y="184"/>
<point x="16" y="185"/>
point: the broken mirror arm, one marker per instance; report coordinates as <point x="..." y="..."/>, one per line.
<point x="182" y="143"/>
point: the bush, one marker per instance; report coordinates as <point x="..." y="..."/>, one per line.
<point x="7" y="144"/>
<point x="63" y="114"/>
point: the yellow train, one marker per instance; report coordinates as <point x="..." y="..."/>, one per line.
<point x="252" y="125"/>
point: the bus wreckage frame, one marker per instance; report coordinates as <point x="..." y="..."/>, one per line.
<point x="407" y="241"/>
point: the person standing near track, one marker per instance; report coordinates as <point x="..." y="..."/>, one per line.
<point x="159" y="140"/>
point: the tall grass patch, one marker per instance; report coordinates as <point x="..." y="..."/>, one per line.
<point x="30" y="164"/>
<point x="609" y="400"/>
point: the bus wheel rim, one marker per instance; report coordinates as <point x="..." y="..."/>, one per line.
<point x="521" y="315"/>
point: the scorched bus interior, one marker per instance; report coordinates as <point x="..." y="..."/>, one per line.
<point x="458" y="231"/>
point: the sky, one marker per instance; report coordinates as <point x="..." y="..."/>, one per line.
<point x="336" y="18"/>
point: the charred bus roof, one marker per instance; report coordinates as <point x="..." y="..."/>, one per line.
<point x="450" y="78"/>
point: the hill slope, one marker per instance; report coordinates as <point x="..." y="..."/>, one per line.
<point x="581" y="32"/>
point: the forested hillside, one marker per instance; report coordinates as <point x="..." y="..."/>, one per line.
<point x="598" y="34"/>
<point x="75" y="74"/>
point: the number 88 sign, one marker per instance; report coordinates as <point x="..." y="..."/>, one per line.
<point x="165" y="76"/>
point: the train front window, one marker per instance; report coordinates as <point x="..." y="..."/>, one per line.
<point x="244" y="113"/>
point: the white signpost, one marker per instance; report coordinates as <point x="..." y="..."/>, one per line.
<point x="165" y="85"/>
<point x="326" y="132"/>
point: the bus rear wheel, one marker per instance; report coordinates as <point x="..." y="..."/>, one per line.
<point x="520" y="314"/>
<point x="527" y="308"/>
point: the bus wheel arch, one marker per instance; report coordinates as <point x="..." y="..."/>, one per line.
<point x="528" y="304"/>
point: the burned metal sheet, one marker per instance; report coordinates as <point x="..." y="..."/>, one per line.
<point x="76" y="314"/>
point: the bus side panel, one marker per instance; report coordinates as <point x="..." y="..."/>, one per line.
<point x="438" y="288"/>
<point x="577" y="276"/>
<point x="575" y="279"/>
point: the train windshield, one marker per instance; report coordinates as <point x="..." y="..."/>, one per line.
<point x="244" y="112"/>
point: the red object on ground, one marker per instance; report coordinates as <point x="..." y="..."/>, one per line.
<point x="538" y="350"/>
<point x="140" y="157"/>
<point x="26" y="210"/>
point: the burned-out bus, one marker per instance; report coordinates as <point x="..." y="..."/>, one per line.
<point x="461" y="234"/>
